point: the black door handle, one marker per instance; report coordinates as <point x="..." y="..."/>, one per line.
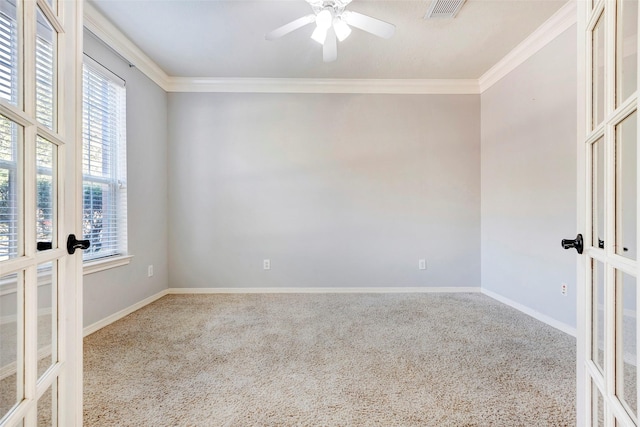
<point x="575" y="243"/>
<point x="44" y="246"/>
<point x="73" y="244"/>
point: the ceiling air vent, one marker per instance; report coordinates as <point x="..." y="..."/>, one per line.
<point x="444" y="9"/>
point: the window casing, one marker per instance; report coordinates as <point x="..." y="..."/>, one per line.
<point x="104" y="189"/>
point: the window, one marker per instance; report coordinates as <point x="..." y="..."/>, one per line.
<point x="104" y="167"/>
<point x="104" y="146"/>
<point x="45" y="77"/>
<point x="10" y="153"/>
<point x="8" y="53"/>
<point x="11" y="133"/>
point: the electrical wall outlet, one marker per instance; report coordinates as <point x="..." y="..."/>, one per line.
<point x="422" y="264"/>
<point x="266" y="264"/>
<point x="564" y="289"/>
<point x="150" y="271"/>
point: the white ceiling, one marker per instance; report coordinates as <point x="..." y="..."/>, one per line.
<point x="217" y="38"/>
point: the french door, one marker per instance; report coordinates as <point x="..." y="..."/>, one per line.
<point x="608" y="333"/>
<point x="40" y="298"/>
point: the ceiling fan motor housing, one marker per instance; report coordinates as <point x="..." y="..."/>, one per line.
<point x="334" y="6"/>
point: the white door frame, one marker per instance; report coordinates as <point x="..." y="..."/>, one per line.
<point x="587" y="372"/>
<point x="66" y="19"/>
<point x="71" y="389"/>
<point x="582" y="329"/>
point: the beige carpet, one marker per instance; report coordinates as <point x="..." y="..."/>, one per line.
<point x="329" y="360"/>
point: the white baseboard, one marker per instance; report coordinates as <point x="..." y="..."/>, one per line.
<point x="351" y="290"/>
<point x="122" y="313"/>
<point x="531" y="312"/>
<point x="328" y="290"/>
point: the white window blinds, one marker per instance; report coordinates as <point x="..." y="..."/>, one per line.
<point x="104" y="162"/>
<point x="45" y="77"/>
<point x="8" y="53"/>
<point x="9" y="133"/>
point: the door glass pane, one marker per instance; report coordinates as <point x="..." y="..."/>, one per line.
<point x="47" y="407"/>
<point x="626" y="376"/>
<point x="627" y="50"/>
<point x="9" y="81"/>
<point x="46" y="190"/>
<point x="47" y="325"/>
<point x="45" y="72"/>
<point x="597" y="194"/>
<point x="11" y="343"/>
<point x="11" y="191"/>
<point x="597" y="323"/>
<point x="597" y="406"/>
<point x="597" y="101"/>
<point x="626" y="187"/>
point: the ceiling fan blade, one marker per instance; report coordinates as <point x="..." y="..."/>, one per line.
<point x="330" y="47"/>
<point x="291" y="26"/>
<point x="369" y="24"/>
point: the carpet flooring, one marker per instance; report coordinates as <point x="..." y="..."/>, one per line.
<point x="329" y="360"/>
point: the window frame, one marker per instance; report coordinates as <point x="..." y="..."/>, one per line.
<point x="116" y="181"/>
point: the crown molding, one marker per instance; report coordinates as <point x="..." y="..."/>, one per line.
<point x="96" y="23"/>
<point x="563" y="19"/>
<point x="559" y="22"/>
<point x="365" y="86"/>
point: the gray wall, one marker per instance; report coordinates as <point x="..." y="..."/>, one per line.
<point x="528" y="168"/>
<point x="109" y="291"/>
<point x="351" y="190"/>
<point x="336" y="190"/>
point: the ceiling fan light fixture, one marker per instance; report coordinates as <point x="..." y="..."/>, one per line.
<point x="324" y="19"/>
<point x="320" y="34"/>
<point x="333" y="24"/>
<point x="341" y="28"/>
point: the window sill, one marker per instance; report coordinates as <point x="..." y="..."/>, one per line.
<point x="95" y="266"/>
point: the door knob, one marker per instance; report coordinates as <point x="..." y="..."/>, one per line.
<point x="575" y="243"/>
<point x="73" y="244"/>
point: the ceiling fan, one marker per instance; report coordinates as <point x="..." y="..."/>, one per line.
<point x="333" y="24"/>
